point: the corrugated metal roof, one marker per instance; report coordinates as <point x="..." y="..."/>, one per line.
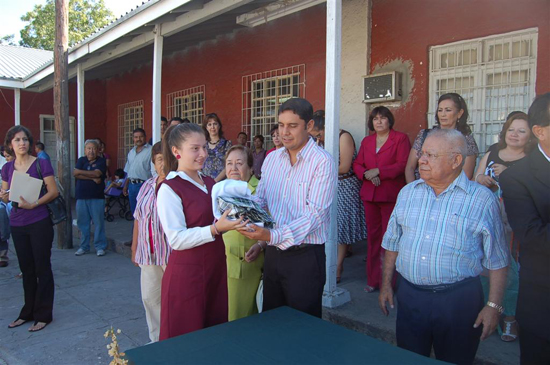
<point x="17" y="62"/>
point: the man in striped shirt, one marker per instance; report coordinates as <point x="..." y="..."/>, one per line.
<point x="297" y="188"/>
<point x="443" y="231"/>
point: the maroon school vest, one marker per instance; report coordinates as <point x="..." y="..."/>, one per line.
<point x="194" y="286"/>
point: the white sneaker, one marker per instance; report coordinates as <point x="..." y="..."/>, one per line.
<point x="100" y="252"/>
<point x="80" y="252"/>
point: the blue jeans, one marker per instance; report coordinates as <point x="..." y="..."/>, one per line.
<point x="4" y="232"/>
<point x="91" y="210"/>
<point x="133" y="191"/>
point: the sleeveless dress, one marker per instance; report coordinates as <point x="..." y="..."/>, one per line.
<point x="194" y="285"/>
<point x="351" y="219"/>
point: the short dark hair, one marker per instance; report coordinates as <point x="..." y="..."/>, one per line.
<point x="273" y="129"/>
<point x="185" y="120"/>
<point x="176" y="119"/>
<point x="301" y="107"/>
<point x="243" y="149"/>
<point x="383" y="111"/>
<point x="246" y="135"/>
<point x="120" y="173"/>
<point x="139" y="130"/>
<point x="259" y="136"/>
<point x="155" y="150"/>
<point x="215" y="117"/>
<point x="11" y="134"/>
<point x="163" y="118"/>
<point x="539" y="111"/>
<point x="319" y="120"/>
<point x="40" y="146"/>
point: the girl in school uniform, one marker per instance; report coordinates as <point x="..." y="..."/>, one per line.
<point x="194" y="286"/>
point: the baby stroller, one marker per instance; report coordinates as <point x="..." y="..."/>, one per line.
<point x="113" y="198"/>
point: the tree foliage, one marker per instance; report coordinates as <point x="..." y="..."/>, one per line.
<point x="85" y="17"/>
<point x="8" y="40"/>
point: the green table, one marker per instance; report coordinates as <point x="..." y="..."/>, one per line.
<point x="280" y="336"/>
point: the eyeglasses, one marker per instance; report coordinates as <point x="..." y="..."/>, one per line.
<point x="433" y="156"/>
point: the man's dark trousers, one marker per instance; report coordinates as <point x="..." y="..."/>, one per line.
<point x="442" y="319"/>
<point x="295" y="278"/>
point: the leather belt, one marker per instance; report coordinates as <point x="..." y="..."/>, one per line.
<point x="443" y="287"/>
<point x="136" y="181"/>
<point x="298" y="247"/>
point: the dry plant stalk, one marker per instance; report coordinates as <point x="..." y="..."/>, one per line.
<point x="114" y="351"/>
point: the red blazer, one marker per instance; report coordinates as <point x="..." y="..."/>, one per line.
<point x="390" y="160"/>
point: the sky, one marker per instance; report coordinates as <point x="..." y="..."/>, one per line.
<point x="12" y="10"/>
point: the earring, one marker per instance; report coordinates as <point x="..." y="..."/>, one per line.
<point x="178" y="156"/>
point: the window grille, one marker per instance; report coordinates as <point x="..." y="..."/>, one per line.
<point x="495" y="75"/>
<point x="263" y="93"/>
<point x="130" y="117"/>
<point x="188" y="103"/>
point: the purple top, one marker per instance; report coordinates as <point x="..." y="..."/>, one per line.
<point x="23" y="217"/>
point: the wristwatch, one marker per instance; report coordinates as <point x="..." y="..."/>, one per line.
<point x="499" y="308"/>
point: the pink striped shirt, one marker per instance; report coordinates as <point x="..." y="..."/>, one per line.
<point x="298" y="197"/>
<point x="149" y="226"/>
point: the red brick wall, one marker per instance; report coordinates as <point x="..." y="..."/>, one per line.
<point x="405" y="29"/>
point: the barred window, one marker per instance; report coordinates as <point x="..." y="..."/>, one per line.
<point x="188" y="103"/>
<point x="130" y="117"/>
<point x="263" y="93"/>
<point x="495" y="75"/>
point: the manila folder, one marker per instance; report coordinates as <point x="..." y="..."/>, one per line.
<point x="24" y="185"/>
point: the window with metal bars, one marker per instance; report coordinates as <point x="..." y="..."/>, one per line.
<point x="188" y="103"/>
<point x="130" y="117"/>
<point x="262" y="95"/>
<point x="495" y="75"/>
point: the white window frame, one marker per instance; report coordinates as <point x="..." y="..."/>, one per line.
<point x="259" y="111"/>
<point x="72" y="148"/>
<point x="188" y="103"/>
<point x="126" y="128"/>
<point x="485" y="127"/>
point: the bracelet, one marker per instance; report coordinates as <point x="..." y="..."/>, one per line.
<point x="261" y="247"/>
<point x="499" y="308"/>
<point x="215" y="229"/>
<point x="475" y="180"/>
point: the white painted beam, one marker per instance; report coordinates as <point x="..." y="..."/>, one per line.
<point x="80" y="81"/>
<point x="333" y="296"/>
<point x="17" y="106"/>
<point x="209" y="11"/>
<point x="157" y="83"/>
<point x="11" y="84"/>
<point x="274" y="11"/>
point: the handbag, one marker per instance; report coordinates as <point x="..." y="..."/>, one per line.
<point x="57" y="209"/>
<point x="260" y="296"/>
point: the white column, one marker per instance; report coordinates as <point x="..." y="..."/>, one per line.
<point x="17" y="105"/>
<point x="157" y="79"/>
<point x="333" y="296"/>
<point x="80" y="80"/>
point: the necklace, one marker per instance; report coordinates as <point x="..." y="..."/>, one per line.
<point x="214" y="143"/>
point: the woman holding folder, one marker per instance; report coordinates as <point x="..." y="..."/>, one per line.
<point x="31" y="230"/>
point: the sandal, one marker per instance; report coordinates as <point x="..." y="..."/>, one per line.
<point x="510" y="332"/>
<point x="34" y="327"/>
<point x="18" y="322"/>
<point x="370" y="289"/>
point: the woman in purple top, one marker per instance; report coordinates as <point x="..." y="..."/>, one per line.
<point x="258" y="155"/>
<point x="31" y="230"/>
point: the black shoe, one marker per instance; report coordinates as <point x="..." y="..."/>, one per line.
<point x="128" y="244"/>
<point x="3" y="263"/>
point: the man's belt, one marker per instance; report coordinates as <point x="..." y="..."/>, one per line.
<point x="299" y="247"/>
<point x="442" y="287"/>
<point x="136" y="181"/>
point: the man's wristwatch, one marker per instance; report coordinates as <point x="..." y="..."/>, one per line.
<point x="499" y="308"/>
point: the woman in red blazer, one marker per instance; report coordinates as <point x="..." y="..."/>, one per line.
<point x="380" y="165"/>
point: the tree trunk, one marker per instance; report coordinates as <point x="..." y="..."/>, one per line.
<point x="61" y="111"/>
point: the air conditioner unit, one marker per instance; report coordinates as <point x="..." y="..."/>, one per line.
<point x="382" y="87"/>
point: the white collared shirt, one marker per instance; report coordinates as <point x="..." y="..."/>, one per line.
<point x="172" y="217"/>
<point x="544" y="153"/>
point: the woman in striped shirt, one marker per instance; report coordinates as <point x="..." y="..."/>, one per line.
<point x="150" y="250"/>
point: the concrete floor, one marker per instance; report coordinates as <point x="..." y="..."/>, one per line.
<point x="94" y="293"/>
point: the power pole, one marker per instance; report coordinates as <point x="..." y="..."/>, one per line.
<point x="61" y="111"/>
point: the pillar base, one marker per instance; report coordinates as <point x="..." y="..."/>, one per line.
<point x="335" y="298"/>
